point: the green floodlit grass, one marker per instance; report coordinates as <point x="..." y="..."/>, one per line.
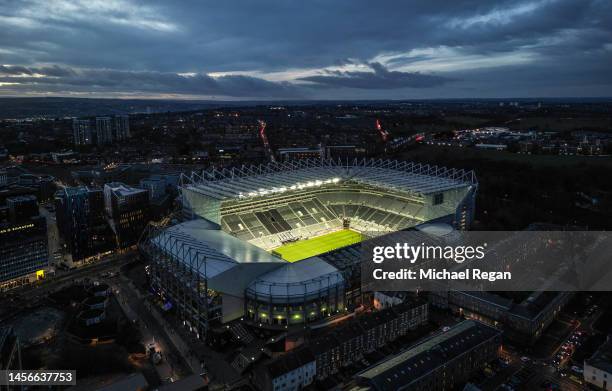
<point x="302" y="249"/>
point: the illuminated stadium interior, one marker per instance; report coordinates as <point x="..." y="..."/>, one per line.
<point x="272" y="208"/>
<point x="254" y="244"/>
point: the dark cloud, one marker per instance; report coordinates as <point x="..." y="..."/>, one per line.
<point x="14" y="70"/>
<point x="64" y="79"/>
<point x="18" y="70"/>
<point x="379" y="79"/>
<point x="118" y="45"/>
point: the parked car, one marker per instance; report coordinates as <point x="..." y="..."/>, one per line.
<point x="577" y="369"/>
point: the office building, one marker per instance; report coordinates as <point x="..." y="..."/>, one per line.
<point x="104" y="130"/>
<point x="156" y="186"/>
<point x="81" y="221"/>
<point x="23" y="251"/>
<point x="439" y="362"/>
<point x="21" y="208"/>
<point x="128" y="210"/>
<point x="43" y="185"/>
<point x="3" y="178"/>
<point x="82" y="132"/>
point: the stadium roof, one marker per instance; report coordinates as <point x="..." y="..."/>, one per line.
<point x="253" y="181"/>
<point x="211" y="251"/>
<point x="299" y="279"/>
<point x="231" y="265"/>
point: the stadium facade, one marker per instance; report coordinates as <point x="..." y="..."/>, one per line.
<point x="222" y="263"/>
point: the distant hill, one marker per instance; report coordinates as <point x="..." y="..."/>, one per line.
<point x="79" y="107"/>
<point x="57" y="107"/>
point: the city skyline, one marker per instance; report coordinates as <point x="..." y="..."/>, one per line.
<point x="278" y="50"/>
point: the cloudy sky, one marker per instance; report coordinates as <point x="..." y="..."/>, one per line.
<point x="313" y="49"/>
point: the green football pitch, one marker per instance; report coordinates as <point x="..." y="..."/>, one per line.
<point x="296" y="251"/>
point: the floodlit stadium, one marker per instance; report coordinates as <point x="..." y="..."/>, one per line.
<point x="257" y="238"/>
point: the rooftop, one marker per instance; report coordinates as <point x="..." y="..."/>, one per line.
<point x="424" y="357"/>
<point x="301" y="278"/>
<point x="123" y="189"/>
<point x="232" y="265"/>
<point x="212" y="251"/>
<point x="255" y="181"/>
<point x="289" y="362"/>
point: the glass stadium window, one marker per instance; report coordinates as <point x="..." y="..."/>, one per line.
<point x="438" y="198"/>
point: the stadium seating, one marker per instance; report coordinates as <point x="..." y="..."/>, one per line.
<point x="276" y="223"/>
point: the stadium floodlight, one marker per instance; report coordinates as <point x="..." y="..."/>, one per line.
<point x="296" y="186"/>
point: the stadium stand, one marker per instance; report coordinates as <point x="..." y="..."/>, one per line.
<point x="319" y="213"/>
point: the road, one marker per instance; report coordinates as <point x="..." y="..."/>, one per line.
<point x="194" y="353"/>
<point x="150" y="336"/>
<point x="535" y="373"/>
<point x="149" y="320"/>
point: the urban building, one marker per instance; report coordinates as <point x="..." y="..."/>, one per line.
<point x="362" y="335"/>
<point x="63" y="157"/>
<point x="43" y="185"/>
<point x="3" y="178"/>
<point x="82" y="132"/>
<point x="439" y="362"/>
<point x="104" y="130"/>
<point x="23" y="251"/>
<point x="156" y="186"/>
<point x="21" y="208"/>
<point x="10" y="353"/>
<point x="598" y="368"/>
<point x="122" y="127"/>
<point x="380" y="328"/>
<point x="134" y="173"/>
<point x="522" y="321"/>
<point x="81" y="222"/>
<point x="292" y="372"/>
<point x="300" y="153"/>
<point x="128" y="210"/>
<point x="344" y="151"/>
